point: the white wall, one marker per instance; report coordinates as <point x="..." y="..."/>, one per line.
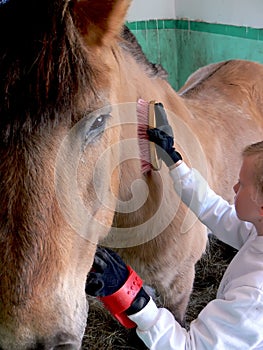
<point x="151" y="9"/>
<point x="236" y="12"/>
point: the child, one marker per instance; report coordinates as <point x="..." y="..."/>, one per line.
<point x="234" y="320"/>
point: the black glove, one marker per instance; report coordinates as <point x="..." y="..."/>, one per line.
<point x="165" y="151"/>
<point x="109" y="273"/>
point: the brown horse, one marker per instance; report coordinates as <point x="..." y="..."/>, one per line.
<point x="70" y="173"/>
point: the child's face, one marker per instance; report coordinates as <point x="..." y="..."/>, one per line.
<point x="248" y="202"/>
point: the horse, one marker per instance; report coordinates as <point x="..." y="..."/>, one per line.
<point x="71" y="74"/>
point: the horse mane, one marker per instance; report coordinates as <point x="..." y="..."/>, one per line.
<point x="132" y="46"/>
<point x="45" y="66"/>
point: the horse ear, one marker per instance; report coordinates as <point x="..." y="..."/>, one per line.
<point x="100" y="21"/>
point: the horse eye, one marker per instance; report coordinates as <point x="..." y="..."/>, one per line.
<point x="100" y="121"/>
<point x="97" y="128"/>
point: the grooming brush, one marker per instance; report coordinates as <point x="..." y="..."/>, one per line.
<point x="150" y="115"/>
<point x="146" y="120"/>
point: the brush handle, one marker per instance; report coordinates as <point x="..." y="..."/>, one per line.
<point x="161" y="120"/>
<point x="121" y="301"/>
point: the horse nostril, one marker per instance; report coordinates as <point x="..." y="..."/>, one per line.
<point x="65" y="347"/>
<point x="61" y="341"/>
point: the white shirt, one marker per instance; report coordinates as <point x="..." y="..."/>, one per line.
<point x="234" y="320"/>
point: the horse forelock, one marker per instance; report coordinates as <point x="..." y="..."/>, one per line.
<point x="45" y="67"/>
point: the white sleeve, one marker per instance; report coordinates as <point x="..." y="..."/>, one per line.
<point x="158" y="328"/>
<point x="211" y="209"/>
<point x="233" y="323"/>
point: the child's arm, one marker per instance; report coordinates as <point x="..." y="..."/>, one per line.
<point x="211" y="209"/>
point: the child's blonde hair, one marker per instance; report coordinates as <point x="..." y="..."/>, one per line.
<point x="256" y="149"/>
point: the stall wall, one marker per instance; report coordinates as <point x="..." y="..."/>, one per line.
<point x="198" y="32"/>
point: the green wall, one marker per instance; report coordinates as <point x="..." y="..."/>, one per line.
<point x="183" y="46"/>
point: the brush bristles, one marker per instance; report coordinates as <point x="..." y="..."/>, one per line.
<point x="143" y="126"/>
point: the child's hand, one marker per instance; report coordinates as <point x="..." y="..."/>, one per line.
<point x="165" y="149"/>
<point x="108" y="274"/>
<point x="116" y="285"/>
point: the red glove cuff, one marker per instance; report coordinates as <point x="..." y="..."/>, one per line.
<point x="118" y="302"/>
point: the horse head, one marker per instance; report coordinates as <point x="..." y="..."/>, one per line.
<point x="57" y="60"/>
